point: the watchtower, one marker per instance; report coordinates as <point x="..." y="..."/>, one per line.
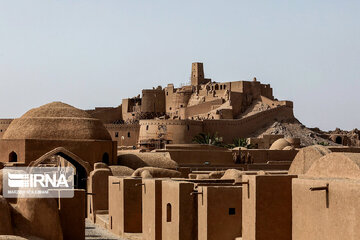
<point x="197" y="74"/>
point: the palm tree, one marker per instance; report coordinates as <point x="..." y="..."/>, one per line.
<point x="240" y="142"/>
<point x="208" y="138"/>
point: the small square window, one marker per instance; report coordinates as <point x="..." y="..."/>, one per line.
<point x="231" y="211"/>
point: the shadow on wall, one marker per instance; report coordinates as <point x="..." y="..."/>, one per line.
<point x="132" y="161"/>
<point x="139" y="160"/>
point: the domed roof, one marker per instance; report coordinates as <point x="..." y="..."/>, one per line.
<point x="279" y="144"/>
<point x="336" y="165"/>
<point x="57" y="121"/>
<point x="306" y="157"/>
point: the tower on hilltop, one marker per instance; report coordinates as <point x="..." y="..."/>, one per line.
<point x="197" y="74"/>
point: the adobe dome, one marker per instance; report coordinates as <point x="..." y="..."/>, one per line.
<point x="280" y="144"/>
<point x="305" y="158"/>
<point x="288" y="148"/>
<point x="57" y="121"/>
<point x="336" y="165"/>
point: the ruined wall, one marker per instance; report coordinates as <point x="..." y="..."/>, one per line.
<point x="124" y="134"/>
<point x="180" y="100"/>
<point x="202" y="108"/>
<point x="129" y="107"/>
<point x="273" y="103"/>
<point x="153" y="100"/>
<point x="107" y="114"/>
<point x="237" y="86"/>
<point x="266" y="91"/>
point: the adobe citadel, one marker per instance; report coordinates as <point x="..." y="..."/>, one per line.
<point x="208" y="160"/>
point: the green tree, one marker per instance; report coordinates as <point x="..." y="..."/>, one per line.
<point x="208" y="138"/>
<point x="240" y="142"/>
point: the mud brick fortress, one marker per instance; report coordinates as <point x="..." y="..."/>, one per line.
<point x="206" y="161"/>
<point x="176" y="115"/>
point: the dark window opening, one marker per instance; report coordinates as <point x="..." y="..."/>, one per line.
<point x="116" y="134"/>
<point x="13" y="157"/>
<point x="128" y="134"/>
<point x="147" y="127"/>
<point x="105" y="158"/>
<point x="168" y="212"/>
<point x="231" y="211"/>
<point x="188" y="127"/>
<point x="167" y="93"/>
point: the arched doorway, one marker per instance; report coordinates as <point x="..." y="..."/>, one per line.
<point x="338" y="140"/>
<point x="105" y="158"/>
<point x="13" y="157"/>
<point x="80" y="174"/>
<point x="82" y="168"/>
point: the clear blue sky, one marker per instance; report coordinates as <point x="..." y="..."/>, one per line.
<point x="94" y="53"/>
